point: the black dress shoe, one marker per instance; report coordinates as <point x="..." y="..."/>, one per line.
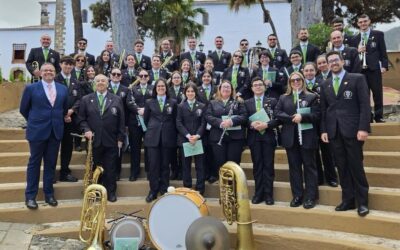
<point x="379" y="120"/>
<point x="51" y="201"/>
<point x="309" y="204"/>
<point x="332" y="183"/>
<point x="296" y="202"/>
<point x="112" y="197"/>
<point x="68" y="178"/>
<point x="344" y="206"/>
<point x="31" y="204"/>
<point x="151" y="197"/>
<point x="132" y="178"/>
<point x="269" y="201"/>
<point x="362" y="210"/>
<point x="212" y="179"/>
<point x="257" y="199"/>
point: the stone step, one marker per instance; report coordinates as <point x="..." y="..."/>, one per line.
<point x="383" y="199"/>
<point x="265" y="236"/>
<point x="12" y="134"/>
<point x="374" y="143"/>
<point x="377" y="177"/>
<point x="377" y="223"/>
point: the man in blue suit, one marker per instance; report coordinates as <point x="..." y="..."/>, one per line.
<point x="44" y="106"/>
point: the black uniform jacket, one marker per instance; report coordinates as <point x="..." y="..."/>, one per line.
<point x="160" y="124"/>
<point x="74" y="91"/>
<point x="108" y="128"/>
<point x="286" y="108"/>
<point x="220" y="63"/>
<point x="350" y="110"/>
<point x="190" y="121"/>
<point x="135" y="100"/>
<point x="36" y="54"/>
<point x="243" y="80"/>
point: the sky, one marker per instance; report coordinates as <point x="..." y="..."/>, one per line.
<point x="19" y="13"/>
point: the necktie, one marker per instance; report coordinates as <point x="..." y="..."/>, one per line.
<point x="310" y="85"/>
<point x="143" y="89"/>
<point x="101" y="103"/>
<point x="258" y="104"/>
<point x="336" y="85"/>
<point x="156" y="75"/>
<point x="207" y="89"/>
<point x="52" y="94"/>
<point x="265" y="74"/>
<point x="139" y="57"/>
<point x="93" y="85"/>
<point x="304" y="50"/>
<point x="365" y="37"/>
<point x="273" y="53"/>
<point x="67" y="81"/>
<point x="130" y="73"/>
<point x="193" y="55"/>
<point x="176" y="91"/>
<point x="78" y="74"/>
<point x="296" y="69"/>
<point x="45" y="54"/>
<point x="244" y="63"/>
<point x="161" y="103"/>
<point x="115" y="89"/>
<point x="324" y="76"/>
<point x="234" y="77"/>
<point x="191" y="106"/>
<point x="185" y="77"/>
<point x="294" y="98"/>
<point x="219" y="54"/>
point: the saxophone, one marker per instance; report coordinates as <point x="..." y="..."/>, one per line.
<point x="93" y="214"/>
<point x="235" y="203"/>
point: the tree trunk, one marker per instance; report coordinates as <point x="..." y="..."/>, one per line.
<point x="77" y="15"/>
<point x="124" y="25"/>
<point x="303" y="14"/>
<point x="328" y="11"/>
<point x="271" y="23"/>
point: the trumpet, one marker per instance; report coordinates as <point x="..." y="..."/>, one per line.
<point x="35" y="66"/>
<point x="329" y="47"/>
<point x="363" y="55"/>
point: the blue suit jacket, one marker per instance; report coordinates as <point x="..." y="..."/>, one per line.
<point x="42" y="118"/>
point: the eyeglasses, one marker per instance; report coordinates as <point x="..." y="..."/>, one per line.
<point x="116" y="74"/>
<point x="296" y="80"/>
<point x="80" y="60"/>
<point x="176" y="77"/>
<point x="336" y="60"/>
<point x="143" y="76"/>
<point x="244" y="44"/>
<point x="258" y="85"/>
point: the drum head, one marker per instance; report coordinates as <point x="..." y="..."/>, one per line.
<point x="169" y="219"/>
<point x="128" y="228"/>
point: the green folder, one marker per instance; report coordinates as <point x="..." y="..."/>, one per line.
<point x="126" y="243"/>
<point x="225" y="117"/>
<point x="190" y="149"/>
<point x="260" y="115"/>
<point x="305" y="126"/>
<point x="140" y="118"/>
<point x="271" y="75"/>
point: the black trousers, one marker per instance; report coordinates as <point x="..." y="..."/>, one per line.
<point x="66" y="149"/>
<point x="326" y="167"/>
<point x="209" y="163"/>
<point x="176" y="162"/>
<point x="136" y="135"/>
<point x="158" y="175"/>
<point x="299" y="158"/>
<point x="187" y="170"/>
<point x="230" y="150"/>
<point x="107" y="158"/>
<point x="262" y="155"/>
<point x="374" y="80"/>
<point x="349" y="160"/>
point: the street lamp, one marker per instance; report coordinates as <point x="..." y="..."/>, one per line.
<point x="201" y="46"/>
<point x="258" y="44"/>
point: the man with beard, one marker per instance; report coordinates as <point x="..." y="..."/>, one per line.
<point x="309" y="51"/>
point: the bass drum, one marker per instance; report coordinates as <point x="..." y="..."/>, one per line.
<point x="171" y="216"/>
<point x="128" y="227"/>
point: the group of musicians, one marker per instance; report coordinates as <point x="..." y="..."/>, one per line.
<point x="314" y="103"/>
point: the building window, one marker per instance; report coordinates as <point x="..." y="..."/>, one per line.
<point x="205" y="19"/>
<point x="84" y="16"/>
<point x="19" y="53"/>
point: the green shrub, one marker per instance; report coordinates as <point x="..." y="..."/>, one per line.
<point x="319" y="34"/>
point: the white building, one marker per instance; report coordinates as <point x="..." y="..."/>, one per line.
<point x="56" y="20"/>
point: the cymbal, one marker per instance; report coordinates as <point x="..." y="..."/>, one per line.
<point x="207" y="233"/>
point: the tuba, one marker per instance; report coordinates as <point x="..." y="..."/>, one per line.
<point x="235" y="203"/>
<point x="93" y="215"/>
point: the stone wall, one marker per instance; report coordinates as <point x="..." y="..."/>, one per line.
<point x="10" y="95"/>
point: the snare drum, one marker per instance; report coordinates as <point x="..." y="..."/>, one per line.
<point x="171" y="216"/>
<point x="128" y="227"/>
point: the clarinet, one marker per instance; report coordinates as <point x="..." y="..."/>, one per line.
<point x="299" y="124"/>
<point x="271" y="114"/>
<point x="133" y="102"/>
<point x="230" y="113"/>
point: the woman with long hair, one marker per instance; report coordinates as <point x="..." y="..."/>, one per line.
<point x="238" y="76"/>
<point x="186" y="71"/>
<point x="104" y="63"/>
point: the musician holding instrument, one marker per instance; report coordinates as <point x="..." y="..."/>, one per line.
<point x="352" y="63"/>
<point x="44" y="54"/>
<point x="269" y="75"/>
<point x="129" y="74"/>
<point x="372" y="48"/>
<point x="160" y="138"/>
<point x="139" y="91"/>
<point x="102" y="113"/>
<point x="227" y="117"/>
<point x="262" y="142"/>
<point x="168" y="59"/>
<point x="300" y="139"/>
<point x="238" y="75"/>
<point x="156" y="71"/>
<point x="191" y="125"/>
<point x="345" y="124"/>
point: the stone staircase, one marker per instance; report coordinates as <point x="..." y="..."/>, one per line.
<point x="277" y="227"/>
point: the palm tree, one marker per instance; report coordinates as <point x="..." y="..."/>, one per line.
<point x="77" y="15"/>
<point x="235" y="5"/>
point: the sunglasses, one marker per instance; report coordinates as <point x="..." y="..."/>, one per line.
<point x="82" y="43"/>
<point x="116" y="74"/>
<point x="143" y="76"/>
<point x="244" y="44"/>
<point x="295" y="80"/>
<point x="80" y="60"/>
<point x="237" y="56"/>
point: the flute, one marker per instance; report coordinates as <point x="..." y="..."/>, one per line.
<point x="299" y="124"/>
